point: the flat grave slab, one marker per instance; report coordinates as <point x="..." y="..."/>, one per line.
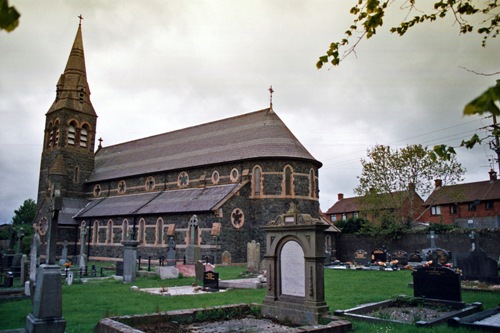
<point x="413" y="311"/>
<point x="485" y="321"/>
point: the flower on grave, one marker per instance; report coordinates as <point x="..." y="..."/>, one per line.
<point x="67" y="264"/>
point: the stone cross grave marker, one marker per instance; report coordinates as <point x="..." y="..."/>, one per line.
<point x="193" y="251"/>
<point x="64" y="253"/>
<point x="46" y="314"/>
<point x="171" y="253"/>
<point x="82" y="259"/>
<point x="432" y="236"/>
<point x="34" y="256"/>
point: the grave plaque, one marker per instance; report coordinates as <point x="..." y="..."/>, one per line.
<point x="361" y="257"/>
<point x="442" y="256"/>
<point x="379" y="255"/>
<point x="253" y="256"/>
<point x="211" y="280"/>
<point x="401" y="256"/>
<point x="437" y="282"/>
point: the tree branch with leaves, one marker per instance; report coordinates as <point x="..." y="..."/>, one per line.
<point x="369" y="16"/>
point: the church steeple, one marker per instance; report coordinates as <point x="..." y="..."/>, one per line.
<point x="70" y="126"/>
<point x="72" y="88"/>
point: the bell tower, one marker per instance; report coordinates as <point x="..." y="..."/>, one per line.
<point x="69" y="136"/>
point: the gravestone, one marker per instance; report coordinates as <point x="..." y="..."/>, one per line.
<point x="211" y="280"/>
<point x="415" y="257"/>
<point x="168" y="272"/>
<point x="295" y="268"/>
<point x="226" y="258"/>
<point x="193" y="250"/>
<point x="199" y="270"/>
<point x="253" y="256"/>
<point x="46" y="314"/>
<point x="361" y="257"/>
<point x="401" y="256"/>
<point x="129" y="260"/>
<point x="437" y="282"/>
<point x="171" y="253"/>
<point x="478" y="266"/>
<point x="379" y="255"/>
<point x="24" y="269"/>
<point x="442" y="256"/>
<point x="82" y="259"/>
<point x="64" y="253"/>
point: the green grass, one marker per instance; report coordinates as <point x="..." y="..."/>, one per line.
<point x="85" y="304"/>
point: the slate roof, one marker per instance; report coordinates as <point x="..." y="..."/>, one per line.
<point x="259" y="134"/>
<point x="350" y="205"/>
<point x="70" y="207"/>
<point x="468" y="192"/>
<point x="173" y="201"/>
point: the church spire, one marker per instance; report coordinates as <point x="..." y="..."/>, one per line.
<point x="72" y="88"/>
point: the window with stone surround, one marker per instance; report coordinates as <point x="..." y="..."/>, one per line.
<point x="288" y="180"/>
<point x="234" y="175"/>
<point x="257" y="181"/>
<point x="109" y="232"/>
<point x="159" y="231"/>
<point x="84" y="136"/>
<point x="95" y="233"/>
<point x="183" y="179"/>
<point x="312" y="184"/>
<point x="72" y="133"/>
<point x="76" y="175"/>
<point x="142" y="231"/>
<point x="215" y="177"/>
<point x="122" y="187"/>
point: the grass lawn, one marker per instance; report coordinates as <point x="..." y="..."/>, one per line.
<point x="85" y="304"/>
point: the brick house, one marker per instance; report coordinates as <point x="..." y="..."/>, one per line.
<point x="235" y="174"/>
<point x="405" y="203"/>
<point x="461" y="204"/>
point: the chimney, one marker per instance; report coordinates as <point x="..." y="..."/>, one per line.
<point x="438" y="183"/>
<point x="340" y="196"/>
<point x="411" y="187"/>
<point x="493" y="175"/>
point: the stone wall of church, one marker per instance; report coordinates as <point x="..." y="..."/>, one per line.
<point x="241" y="217"/>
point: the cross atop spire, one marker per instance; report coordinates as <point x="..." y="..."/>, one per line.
<point x="81" y="18"/>
<point x="271" y="97"/>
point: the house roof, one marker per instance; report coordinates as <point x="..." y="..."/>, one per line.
<point x="174" y="201"/>
<point x="468" y="192"/>
<point x="354" y="204"/>
<point x="259" y="134"/>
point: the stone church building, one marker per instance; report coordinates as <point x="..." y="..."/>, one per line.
<point x="234" y="174"/>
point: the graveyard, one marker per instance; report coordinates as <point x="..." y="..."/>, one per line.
<point x="89" y="300"/>
<point x="289" y="289"/>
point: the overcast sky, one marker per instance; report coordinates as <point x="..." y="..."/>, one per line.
<point x="158" y="66"/>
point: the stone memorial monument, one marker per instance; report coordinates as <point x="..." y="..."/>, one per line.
<point x="46" y="314"/>
<point x="129" y="260"/>
<point x="193" y="250"/>
<point x="295" y="257"/>
<point x="82" y="258"/>
<point x="64" y="253"/>
<point x="253" y="256"/>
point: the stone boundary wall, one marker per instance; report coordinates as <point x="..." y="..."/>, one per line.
<point x="456" y="241"/>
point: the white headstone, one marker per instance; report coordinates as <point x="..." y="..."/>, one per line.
<point x="293" y="270"/>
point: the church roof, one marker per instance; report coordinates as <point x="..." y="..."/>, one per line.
<point x="175" y="201"/>
<point x="259" y="134"/>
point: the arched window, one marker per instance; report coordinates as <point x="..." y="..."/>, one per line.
<point x="142" y="231"/>
<point x="72" y="133"/>
<point x="76" y="176"/>
<point x="109" y="232"/>
<point x="257" y="181"/>
<point x="288" y="179"/>
<point x="95" y="233"/>
<point x="159" y="232"/>
<point x="50" y="138"/>
<point x="84" y="137"/>
<point x="125" y="230"/>
<point x="56" y="135"/>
